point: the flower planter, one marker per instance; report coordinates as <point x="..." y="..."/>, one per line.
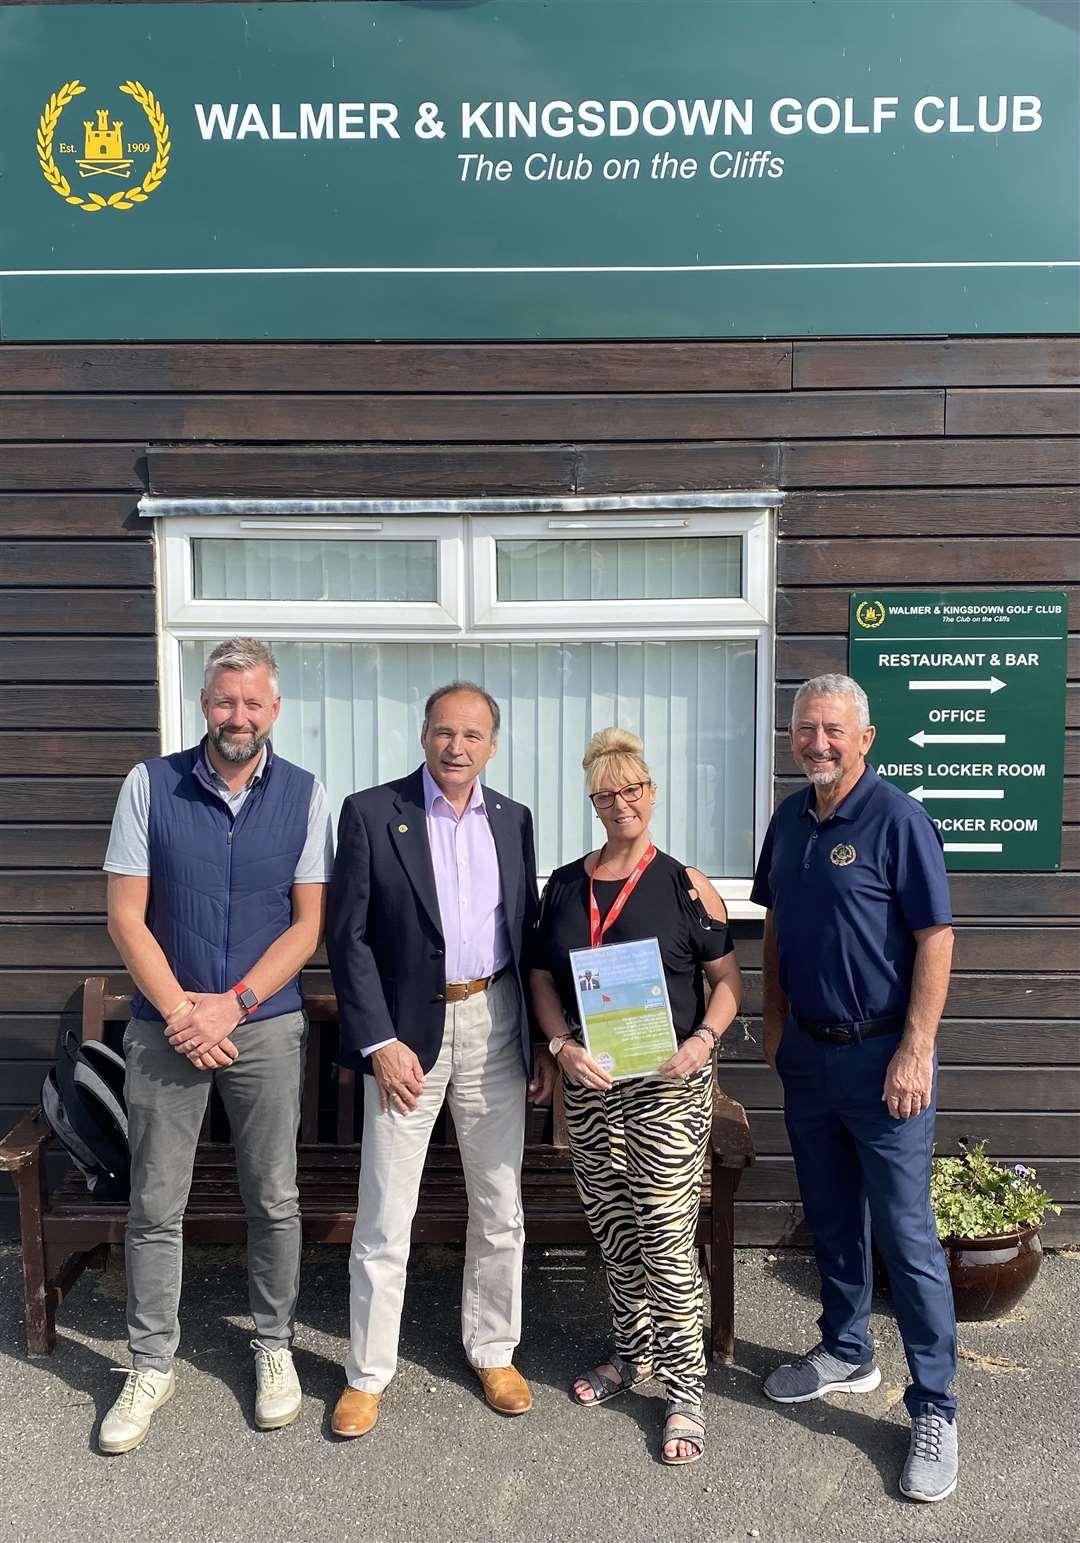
<point x="990" y="1275"/>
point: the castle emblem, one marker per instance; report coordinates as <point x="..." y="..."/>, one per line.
<point x="103" y="148"/>
<point x="870" y="613"/>
<point x="139" y="159"/>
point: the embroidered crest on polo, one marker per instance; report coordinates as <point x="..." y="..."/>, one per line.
<point x="842" y="855"/>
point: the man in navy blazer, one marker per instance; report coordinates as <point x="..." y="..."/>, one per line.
<point x="430" y="917"/>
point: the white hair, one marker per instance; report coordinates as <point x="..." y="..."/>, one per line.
<point x="834" y="685"/>
<point x="241" y="654"/>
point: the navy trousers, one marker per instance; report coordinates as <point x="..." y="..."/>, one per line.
<point x="858" y="1167"/>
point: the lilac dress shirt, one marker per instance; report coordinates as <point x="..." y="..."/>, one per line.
<point x="467" y="885"/>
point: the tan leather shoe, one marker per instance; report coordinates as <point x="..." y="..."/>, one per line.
<point x="504" y="1388"/>
<point x="355" y="1413"/>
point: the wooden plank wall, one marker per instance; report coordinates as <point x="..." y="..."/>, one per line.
<point x="948" y="462"/>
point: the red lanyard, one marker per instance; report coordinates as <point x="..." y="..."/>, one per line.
<point x="596" y="931"/>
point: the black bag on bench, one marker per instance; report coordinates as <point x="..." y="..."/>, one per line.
<point x="83" y="1102"/>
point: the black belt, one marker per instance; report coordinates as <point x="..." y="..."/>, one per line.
<point x="849" y="1033"/>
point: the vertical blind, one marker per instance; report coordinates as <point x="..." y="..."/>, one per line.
<point x="351" y="713"/>
<point x="252" y="569"/>
<point x="653" y="568"/>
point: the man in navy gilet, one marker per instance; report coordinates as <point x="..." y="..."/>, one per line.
<point x="218" y="862"/>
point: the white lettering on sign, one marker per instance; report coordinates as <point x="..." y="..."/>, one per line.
<point x="618" y="118"/>
<point x="970" y="826"/>
<point x="960" y="769"/>
<point x="707" y="118"/>
<point x="352" y="120"/>
<point x="479" y="168"/>
<point x="990" y="115"/>
<point x="931" y="661"/>
<point x="1030" y="825"/>
<point x="957" y="715"/>
<point x="1021" y="659"/>
<point x="542" y="167"/>
<point x="900" y="769"/>
<point x="1018" y="769"/>
<point x="745" y="163"/>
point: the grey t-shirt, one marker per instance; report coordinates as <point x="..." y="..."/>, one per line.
<point x="129" y="839"/>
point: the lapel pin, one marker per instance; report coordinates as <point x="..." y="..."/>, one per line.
<point x="498" y="806"/>
<point x="403" y="829"/>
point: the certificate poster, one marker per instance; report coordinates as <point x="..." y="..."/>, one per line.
<point x="623" y="1006"/>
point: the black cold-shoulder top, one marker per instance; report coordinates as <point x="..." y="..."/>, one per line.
<point x="660" y="907"/>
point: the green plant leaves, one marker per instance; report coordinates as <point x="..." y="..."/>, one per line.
<point x="973" y="1196"/>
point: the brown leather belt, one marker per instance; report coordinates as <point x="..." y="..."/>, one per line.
<point x="461" y="990"/>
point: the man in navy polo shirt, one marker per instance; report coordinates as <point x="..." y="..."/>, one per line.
<point x="218" y="863"/>
<point x="858" y="946"/>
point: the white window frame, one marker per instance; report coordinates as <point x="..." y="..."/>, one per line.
<point x="751" y="605"/>
<point x="468" y="610"/>
<point x="184" y="610"/>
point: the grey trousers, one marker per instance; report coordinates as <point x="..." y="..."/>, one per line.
<point x="166" y="1099"/>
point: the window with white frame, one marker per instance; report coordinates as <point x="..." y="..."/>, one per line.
<point x="653" y="617"/>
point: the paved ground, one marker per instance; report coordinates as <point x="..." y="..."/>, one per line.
<point x="441" y="1468"/>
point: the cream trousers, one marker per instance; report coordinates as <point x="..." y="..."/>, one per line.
<point x="480" y="1073"/>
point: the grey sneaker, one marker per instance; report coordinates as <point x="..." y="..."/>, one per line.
<point x="128" y="1421"/>
<point x="816" y="1373"/>
<point x="932" y="1460"/>
<point x="277" y="1387"/>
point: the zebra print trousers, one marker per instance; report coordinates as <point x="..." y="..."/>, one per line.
<point x="638" y="1154"/>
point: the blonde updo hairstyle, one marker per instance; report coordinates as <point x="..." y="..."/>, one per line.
<point x="614" y="754"/>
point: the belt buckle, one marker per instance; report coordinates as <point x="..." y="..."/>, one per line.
<point x="462" y="990"/>
<point x="842" y="1036"/>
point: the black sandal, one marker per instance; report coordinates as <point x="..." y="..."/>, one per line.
<point x="605" y="1387"/>
<point x="680" y="1433"/>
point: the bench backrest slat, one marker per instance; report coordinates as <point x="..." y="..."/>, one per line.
<point x="309" y="1107"/>
<point x="346" y="1106"/>
<point x="559" y="1139"/>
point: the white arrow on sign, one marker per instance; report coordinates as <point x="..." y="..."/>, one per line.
<point x="923" y="738"/>
<point x="972" y="846"/>
<point x="991" y="685"/>
<point x="924" y="793"/>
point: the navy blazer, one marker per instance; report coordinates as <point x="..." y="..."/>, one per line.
<point x="384" y="935"/>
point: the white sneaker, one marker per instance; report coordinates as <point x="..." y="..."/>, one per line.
<point x="277" y="1387"/>
<point x="128" y="1421"/>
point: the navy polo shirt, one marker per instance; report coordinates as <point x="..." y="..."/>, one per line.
<point x="846" y="896"/>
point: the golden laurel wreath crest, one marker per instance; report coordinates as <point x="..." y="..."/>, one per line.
<point x="126" y="198"/>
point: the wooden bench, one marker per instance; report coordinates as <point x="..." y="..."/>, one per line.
<point x="64" y="1230"/>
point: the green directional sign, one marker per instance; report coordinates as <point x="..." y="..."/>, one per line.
<point x="967" y="693"/>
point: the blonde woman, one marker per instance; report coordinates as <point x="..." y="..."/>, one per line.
<point x="638" y="1147"/>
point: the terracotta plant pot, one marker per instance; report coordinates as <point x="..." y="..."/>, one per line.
<point x="990" y="1275"/>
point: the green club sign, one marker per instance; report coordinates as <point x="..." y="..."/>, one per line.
<point x="967" y="693"/>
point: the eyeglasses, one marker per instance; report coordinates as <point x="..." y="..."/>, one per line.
<point x="630" y="795"/>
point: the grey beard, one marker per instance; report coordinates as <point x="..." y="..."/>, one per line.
<point x="822" y="776"/>
<point x="237" y="751"/>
